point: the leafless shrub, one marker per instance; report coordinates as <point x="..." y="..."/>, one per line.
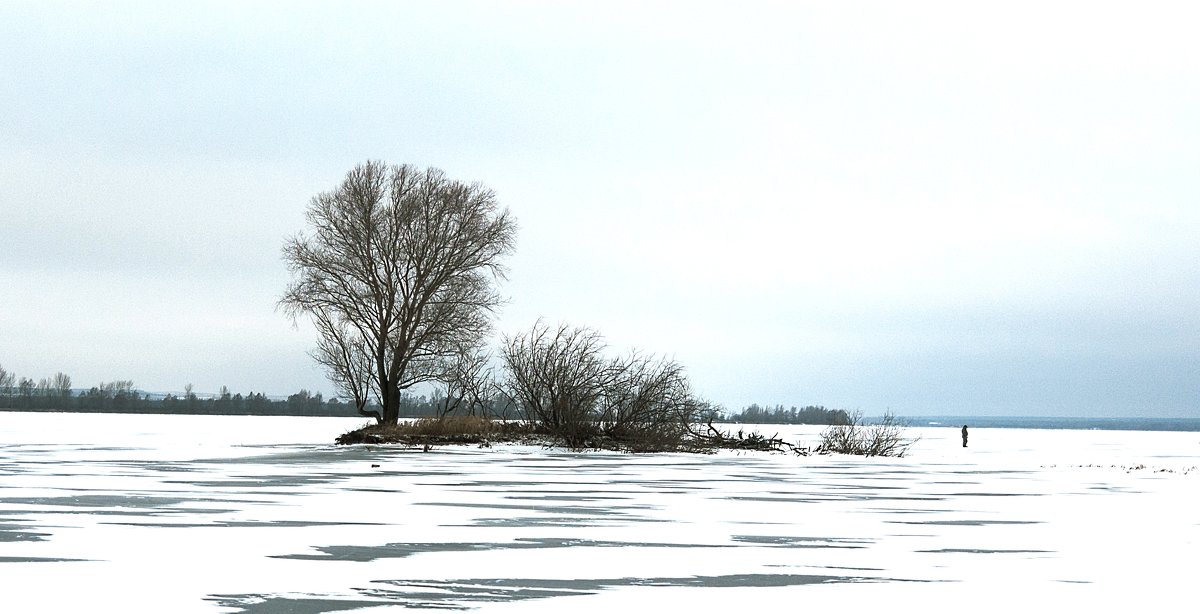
<point x="648" y="403"/>
<point x="558" y="376"/>
<point x="562" y="380"/>
<point x="885" y="438"/>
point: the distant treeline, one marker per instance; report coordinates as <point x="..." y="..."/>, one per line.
<point x="813" y="414"/>
<point x="121" y="398"/>
<point x="56" y="394"/>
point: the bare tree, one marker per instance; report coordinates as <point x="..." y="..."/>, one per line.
<point x="44" y="386"/>
<point x="25" y="387"/>
<point x="62" y="387"/>
<point x="7" y="380"/>
<point x="397" y="276"/>
<point x="562" y="380"/>
<point x="559" y="377"/>
<point x="189" y="396"/>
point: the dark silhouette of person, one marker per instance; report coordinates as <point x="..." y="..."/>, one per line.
<point x="964" y="435"/>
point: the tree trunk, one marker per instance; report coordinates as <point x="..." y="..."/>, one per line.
<point x="391" y="404"/>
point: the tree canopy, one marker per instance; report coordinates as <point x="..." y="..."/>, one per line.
<point x="398" y="274"/>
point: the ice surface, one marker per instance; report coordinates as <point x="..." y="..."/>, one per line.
<point x="119" y="513"/>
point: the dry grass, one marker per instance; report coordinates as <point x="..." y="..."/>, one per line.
<point x="434" y="427"/>
<point x="446" y="430"/>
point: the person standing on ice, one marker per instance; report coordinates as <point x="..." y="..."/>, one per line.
<point x="964" y="435"/>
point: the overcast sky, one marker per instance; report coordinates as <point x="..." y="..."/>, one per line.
<point x="928" y="208"/>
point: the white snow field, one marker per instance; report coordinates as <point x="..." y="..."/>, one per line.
<point x="123" y="513"/>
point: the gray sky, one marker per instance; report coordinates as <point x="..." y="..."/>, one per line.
<point x="932" y="208"/>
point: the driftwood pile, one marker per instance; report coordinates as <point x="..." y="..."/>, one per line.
<point x="754" y="441"/>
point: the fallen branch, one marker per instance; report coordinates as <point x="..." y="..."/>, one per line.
<point x="754" y="441"/>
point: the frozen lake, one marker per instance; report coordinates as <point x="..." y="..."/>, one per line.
<point x="125" y="513"/>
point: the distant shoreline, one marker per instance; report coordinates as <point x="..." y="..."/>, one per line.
<point x="158" y="411"/>
<point x="1002" y="422"/>
<point x="1057" y="422"/>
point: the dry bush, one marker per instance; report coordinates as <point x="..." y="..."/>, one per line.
<point x="558" y="376"/>
<point x="886" y="438"/>
<point x="648" y="404"/>
<point x="562" y="381"/>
